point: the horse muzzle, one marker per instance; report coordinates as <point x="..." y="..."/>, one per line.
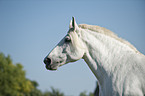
<point x="48" y="64"/>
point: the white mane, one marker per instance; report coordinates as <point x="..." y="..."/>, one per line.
<point x="107" y="32"/>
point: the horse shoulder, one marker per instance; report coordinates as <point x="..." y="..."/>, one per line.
<point x="134" y="82"/>
<point x="132" y="86"/>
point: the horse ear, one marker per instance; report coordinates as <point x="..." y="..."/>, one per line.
<point x="73" y="24"/>
<point x="70" y="25"/>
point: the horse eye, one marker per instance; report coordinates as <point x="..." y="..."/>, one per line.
<point x="67" y="39"/>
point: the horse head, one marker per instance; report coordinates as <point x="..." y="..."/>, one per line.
<point x="69" y="49"/>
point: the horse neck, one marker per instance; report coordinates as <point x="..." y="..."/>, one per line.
<point x="104" y="54"/>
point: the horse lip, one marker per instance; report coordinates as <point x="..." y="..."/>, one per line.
<point x="49" y="67"/>
<point x="52" y="67"/>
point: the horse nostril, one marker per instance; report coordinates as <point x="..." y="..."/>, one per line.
<point x="47" y="61"/>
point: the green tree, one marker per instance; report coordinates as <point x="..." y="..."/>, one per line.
<point x="53" y="92"/>
<point x="12" y="78"/>
<point x="35" y="91"/>
<point x="14" y="83"/>
<point x="84" y="93"/>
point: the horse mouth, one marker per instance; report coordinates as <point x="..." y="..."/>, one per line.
<point x="52" y="66"/>
<point x="49" y="67"/>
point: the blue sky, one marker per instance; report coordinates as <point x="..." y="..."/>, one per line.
<point x="29" y="29"/>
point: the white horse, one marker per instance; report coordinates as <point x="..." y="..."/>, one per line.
<point x="118" y="66"/>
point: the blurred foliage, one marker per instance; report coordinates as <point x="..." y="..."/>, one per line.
<point x="12" y="78"/>
<point x="13" y="81"/>
<point x="53" y="92"/>
<point x="84" y="93"/>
